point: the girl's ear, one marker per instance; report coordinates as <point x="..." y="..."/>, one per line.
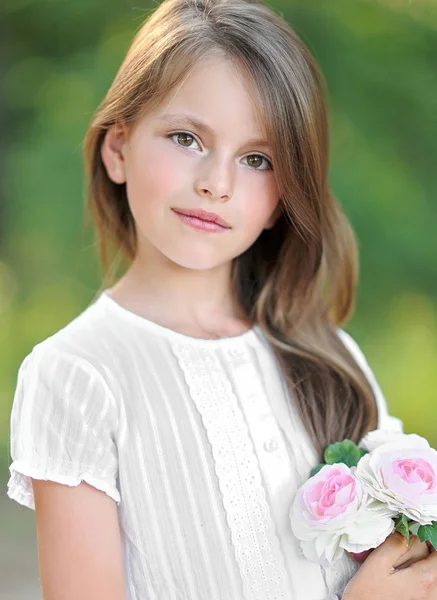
<point x="112" y="152"/>
<point x="274" y="216"/>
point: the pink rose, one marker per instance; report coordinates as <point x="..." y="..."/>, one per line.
<point x="332" y="492"/>
<point x="332" y="513"/>
<point x="403" y="474"/>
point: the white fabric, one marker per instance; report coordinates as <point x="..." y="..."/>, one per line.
<point x="197" y="442"/>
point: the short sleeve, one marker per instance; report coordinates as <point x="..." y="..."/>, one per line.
<point x="63" y="425"/>
<point x="385" y="420"/>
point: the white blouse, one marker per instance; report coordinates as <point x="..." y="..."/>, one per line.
<point x="195" y="440"/>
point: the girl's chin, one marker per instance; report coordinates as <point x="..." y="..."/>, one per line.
<point x="199" y="262"/>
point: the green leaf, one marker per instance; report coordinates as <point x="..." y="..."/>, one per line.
<point x="317" y="469"/>
<point x="363" y="451"/>
<point x="346" y="452"/>
<point x="402" y="525"/>
<point x="428" y="532"/>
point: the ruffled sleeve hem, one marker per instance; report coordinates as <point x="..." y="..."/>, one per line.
<point x="20" y="485"/>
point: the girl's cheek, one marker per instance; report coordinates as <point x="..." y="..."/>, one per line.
<point x="260" y="200"/>
<point x="159" y="175"/>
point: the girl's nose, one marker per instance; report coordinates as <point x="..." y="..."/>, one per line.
<point x="216" y="180"/>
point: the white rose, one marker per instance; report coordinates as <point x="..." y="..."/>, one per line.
<point x="402" y="473"/>
<point x="376" y="438"/>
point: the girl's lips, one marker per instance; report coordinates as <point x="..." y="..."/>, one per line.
<point x="200" y="224"/>
<point x="204" y="215"/>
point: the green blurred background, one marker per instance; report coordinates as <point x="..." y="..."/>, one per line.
<point x="379" y="59"/>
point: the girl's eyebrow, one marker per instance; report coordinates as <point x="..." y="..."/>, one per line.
<point x="179" y="118"/>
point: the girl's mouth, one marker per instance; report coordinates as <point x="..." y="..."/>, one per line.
<point x="200" y="224"/>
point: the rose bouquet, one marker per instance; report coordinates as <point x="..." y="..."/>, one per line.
<point x="362" y="493"/>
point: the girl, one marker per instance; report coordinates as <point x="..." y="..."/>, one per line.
<point x="162" y="434"/>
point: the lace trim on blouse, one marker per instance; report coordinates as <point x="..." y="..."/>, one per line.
<point x="251" y="526"/>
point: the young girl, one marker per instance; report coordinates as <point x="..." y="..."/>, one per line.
<point x="162" y="434"/>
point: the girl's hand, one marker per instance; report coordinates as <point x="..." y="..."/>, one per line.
<point x="395" y="572"/>
<point x="417" y="551"/>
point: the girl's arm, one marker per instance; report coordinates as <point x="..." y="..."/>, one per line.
<point x="78" y="538"/>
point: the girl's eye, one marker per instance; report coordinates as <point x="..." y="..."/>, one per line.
<point x="255" y="161"/>
<point x="183" y="137"/>
<point x="258" y="160"/>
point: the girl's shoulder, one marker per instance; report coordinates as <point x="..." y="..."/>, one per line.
<point x="353" y="347"/>
<point x="385" y="420"/>
<point x="94" y="336"/>
<point x="85" y="349"/>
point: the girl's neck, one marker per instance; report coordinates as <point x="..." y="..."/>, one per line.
<point x="185" y="301"/>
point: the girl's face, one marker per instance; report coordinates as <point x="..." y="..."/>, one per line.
<point x="171" y="165"/>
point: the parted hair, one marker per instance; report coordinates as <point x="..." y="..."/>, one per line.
<point x="298" y="280"/>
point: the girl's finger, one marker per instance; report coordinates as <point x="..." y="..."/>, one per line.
<point x="418" y="550"/>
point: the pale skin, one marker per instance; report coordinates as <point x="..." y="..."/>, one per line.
<point x="79" y="548"/>
<point x="379" y="579"/>
<point x="221" y="172"/>
<point x="78" y="538"/>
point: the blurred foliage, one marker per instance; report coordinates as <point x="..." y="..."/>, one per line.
<point x="379" y="59"/>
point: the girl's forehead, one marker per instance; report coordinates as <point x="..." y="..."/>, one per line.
<point x="214" y="91"/>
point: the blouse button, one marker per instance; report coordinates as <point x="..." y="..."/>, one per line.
<point x="271" y="445"/>
<point x="234" y="351"/>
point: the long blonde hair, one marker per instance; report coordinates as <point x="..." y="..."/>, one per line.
<point x="298" y="280"/>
